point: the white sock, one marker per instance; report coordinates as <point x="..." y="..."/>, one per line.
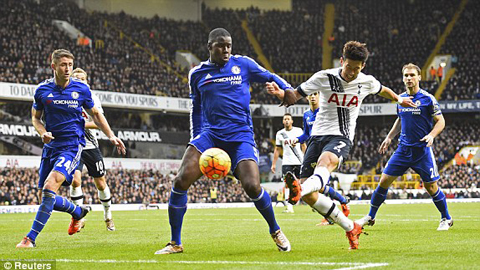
<point x="289" y="207"/>
<point x="323" y="206"/>
<point x="105" y="198"/>
<point x="76" y="195"/>
<point x="317" y="181"/>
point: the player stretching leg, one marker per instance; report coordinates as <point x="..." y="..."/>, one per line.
<point x="341" y="92"/>
<point x="415" y="147"/>
<point x="292" y="154"/>
<point x="220" y="117"/>
<point x="60" y="101"/>
<point x="93" y="159"/>
<point x="308" y="119"/>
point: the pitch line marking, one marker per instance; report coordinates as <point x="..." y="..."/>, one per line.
<point x="350" y="266"/>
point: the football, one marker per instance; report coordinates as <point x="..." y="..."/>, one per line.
<point x="215" y="163"/>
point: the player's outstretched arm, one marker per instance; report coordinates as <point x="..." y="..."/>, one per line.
<point x="276" y="154"/>
<point x="403" y="101"/>
<point x="397" y="126"/>
<point x="102" y="123"/>
<point x="437" y="129"/>
<point x="288" y="96"/>
<point x="40" y="127"/>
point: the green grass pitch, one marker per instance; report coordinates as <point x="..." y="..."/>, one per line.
<point x="404" y="237"/>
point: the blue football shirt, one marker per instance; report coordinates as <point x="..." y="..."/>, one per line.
<point x="308" y="120"/>
<point x="417" y="122"/>
<point x="221" y="97"/>
<point x="62" y="110"/>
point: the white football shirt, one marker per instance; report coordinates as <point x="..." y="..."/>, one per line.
<point x="90" y="138"/>
<point x="339" y="101"/>
<point x="291" y="155"/>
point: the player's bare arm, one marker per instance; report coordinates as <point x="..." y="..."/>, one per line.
<point x="40" y="127"/>
<point x="102" y="123"/>
<point x="91" y="125"/>
<point x="437" y="129"/>
<point x="403" y="101"/>
<point x="288" y="97"/>
<point x="396" y="128"/>
<point x="276" y="154"/>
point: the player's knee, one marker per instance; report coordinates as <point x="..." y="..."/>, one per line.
<point x="100" y="182"/>
<point x="310" y="199"/>
<point x="252" y="189"/>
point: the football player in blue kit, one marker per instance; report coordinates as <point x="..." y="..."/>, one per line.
<point x="60" y="100"/>
<point x="220" y="117"/>
<point x="418" y="128"/>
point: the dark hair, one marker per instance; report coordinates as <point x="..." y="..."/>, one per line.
<point x="288" y="114"/>
<point x="355" y="50"/>
<point x="216" y="33"/>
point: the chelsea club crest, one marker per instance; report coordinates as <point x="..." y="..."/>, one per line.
<point x="236" y="70"/>
<point x="75" y="95"/>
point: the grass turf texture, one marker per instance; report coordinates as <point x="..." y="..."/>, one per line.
<point x="404" y="237"/>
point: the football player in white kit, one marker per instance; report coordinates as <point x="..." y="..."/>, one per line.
<point x="93" y="159"/>
<point x="342" y="91"/>
<point x="292" y="155"/>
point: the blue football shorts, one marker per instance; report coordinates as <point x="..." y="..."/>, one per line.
<point x="237" y="151"/>
<point x="420" y="159"/>
<point x="63" y="160"/>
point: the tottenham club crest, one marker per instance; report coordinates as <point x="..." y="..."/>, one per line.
<point x="236" y="70"/>
<point x="75" y="95"/>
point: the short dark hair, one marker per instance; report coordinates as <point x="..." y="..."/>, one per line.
<point x="288" y="114"/>
<point x="355" y="50"/>
<point x="216" y="33"/>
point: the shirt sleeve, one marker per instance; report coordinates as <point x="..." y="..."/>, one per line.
<point x="196" y="109"/>
<point x="260" y="74"/>
<point x="278" y="141"/>
<point x="312" y="85"/>
<point x="97" y="103"/>
<point x="434" y="107"/>
<point x="375" y="86"/>
<point x="306" y="131"/>
<point x="37" y="100"/>
<point x="88" y="103"/>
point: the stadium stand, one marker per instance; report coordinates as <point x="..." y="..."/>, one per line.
<point x="462" y="43"/>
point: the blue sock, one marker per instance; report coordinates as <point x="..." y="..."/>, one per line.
<point x="43" y="214"/>
<point x="332" y="193"/>
<point x="441" y="203"/>
<point x="263" y="203"/>
<point x="64" y="205"/>
<point x="177" y="206"/>
<point x="378" y="197"/>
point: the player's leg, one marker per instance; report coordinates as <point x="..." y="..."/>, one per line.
<point x="427" y="169"/>
<point x="76" y="193"/>
<point x="61" y="167"/>
<point x="378" y="197"/>
<point x="244" y="158"/>
<point x="188" y="173"/>
<point x="248" y="173"/>
<point x="96" y="169"/>
<point x="292" y="169"/>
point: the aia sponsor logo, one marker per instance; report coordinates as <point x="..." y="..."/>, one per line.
<point x="343" y="100"/>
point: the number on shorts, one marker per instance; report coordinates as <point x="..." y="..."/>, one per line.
<point x="66" y="165"/>
<point x="340" y="146"/>
<point x="433" y="172"/>
<point x="100" y="166"/>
